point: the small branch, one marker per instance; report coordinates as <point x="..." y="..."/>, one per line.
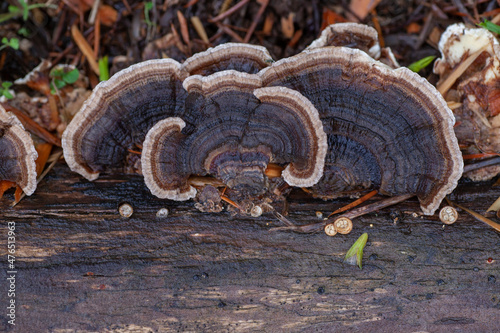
<point x="229" y="11"/>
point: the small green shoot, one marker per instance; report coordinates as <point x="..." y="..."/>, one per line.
<point x="24" y="32"/>
<point x="488" y="25"/>
<point x="22" y="10"/>
<point x="147" y="7"/>
<point x="13" y="42"/>
<point x="417" y="66"/>
<point x="355" y="254"/>
<point x="103" y="69"/>
<point x="4" y="90"/>
<point x="61" y="77"/>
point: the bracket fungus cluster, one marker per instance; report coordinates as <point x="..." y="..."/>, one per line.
<point x="17" y="153"/>
<point x="335" y="119"/>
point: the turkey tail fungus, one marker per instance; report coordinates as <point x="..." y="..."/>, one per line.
<point x="387" y="129"/>
<point x="17" y="153"/>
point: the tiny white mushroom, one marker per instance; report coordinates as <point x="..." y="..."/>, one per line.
<point x="343" y="225"/>
<point x="448" y="215"/>
<point x="126" y="210"/>
<point x="162" y="213"/>
<point x="330" y="229"/>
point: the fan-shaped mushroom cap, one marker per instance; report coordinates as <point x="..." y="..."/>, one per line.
<point x="119" y="113"/>
<point x="232" y="129"/>
<point x="17" y="153"/>
<point x="245" y="58"/>
<point x="387" y="129"/>
<point x="352" y="35"/>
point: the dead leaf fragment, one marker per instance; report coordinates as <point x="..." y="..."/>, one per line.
<point x="287" y="25"/>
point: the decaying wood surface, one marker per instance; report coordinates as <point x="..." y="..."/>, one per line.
<point x="83" y="268"/>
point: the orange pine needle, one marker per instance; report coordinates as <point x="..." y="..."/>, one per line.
<point x="18" y="195"/>
<point x="273" y="170"/>
<point x="84" y="46"/>
<point x="355" y="203"/>
<point x="481" y="155"/>
<point x="5" y="185"/>
<point x="134" y="152"/>
<point x="229" y="201"/>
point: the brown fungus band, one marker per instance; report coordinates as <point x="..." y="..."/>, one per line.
<point x="232" y="129"/>
<point x="118" y="114"/>
<point x="387" y="129"/>
<point x="244" y="58"/>
<point x="17" y="153"/>
<point x="120" y="111"/>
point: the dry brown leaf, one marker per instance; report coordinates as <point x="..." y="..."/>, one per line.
<point x="268" y="24"/>
<point x="43" y="150"/>
<point x="108" y="15"/>
<point x="330" y="17"/>
<point x="361" y="8"/>
<point x="5" y="185"/>
<point x="495" y="206"/>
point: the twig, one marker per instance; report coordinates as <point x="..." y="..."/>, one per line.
<point x="477" y="216"/>
<point x="230" y="32"/>
<point x="355" y="203"/>
<point x="228" y="12"/>
<point x="256" y="20"/>
<point x="482" y="164"/>
<point x="94" y="11"/>
<point x="32" y="126"/>
<point x="184" y="30"/>
<point x="316" y="227"/>
<point x="374" y="206"/>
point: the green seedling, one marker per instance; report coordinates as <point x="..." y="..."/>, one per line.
<point x="103" y="69"/>
<point x="417" y="66"/>
<point x="4" y="90"/>
<point x="355" y="254"/>
<point x="147" y="7"/>
<point x="488" y="25"/>
<point x="13" y="42"/>
<point x="22" y="10"/>
<point x="61" y="78"/>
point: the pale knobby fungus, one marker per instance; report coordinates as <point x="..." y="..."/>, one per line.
<point x="17" y="153"/>
<point x="387" y="129"/>
<point x="232" y="129"/>
<point x="469" y="69"/>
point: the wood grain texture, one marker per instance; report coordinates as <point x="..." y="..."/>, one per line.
<point x="83" y="268"/>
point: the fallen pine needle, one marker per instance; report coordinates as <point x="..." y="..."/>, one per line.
<point x="84" y="46"/>
<point x="200" y="30"/>
<point x="355" y="203"/>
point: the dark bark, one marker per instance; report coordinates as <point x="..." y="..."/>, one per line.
<point x="81" y="266"/>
